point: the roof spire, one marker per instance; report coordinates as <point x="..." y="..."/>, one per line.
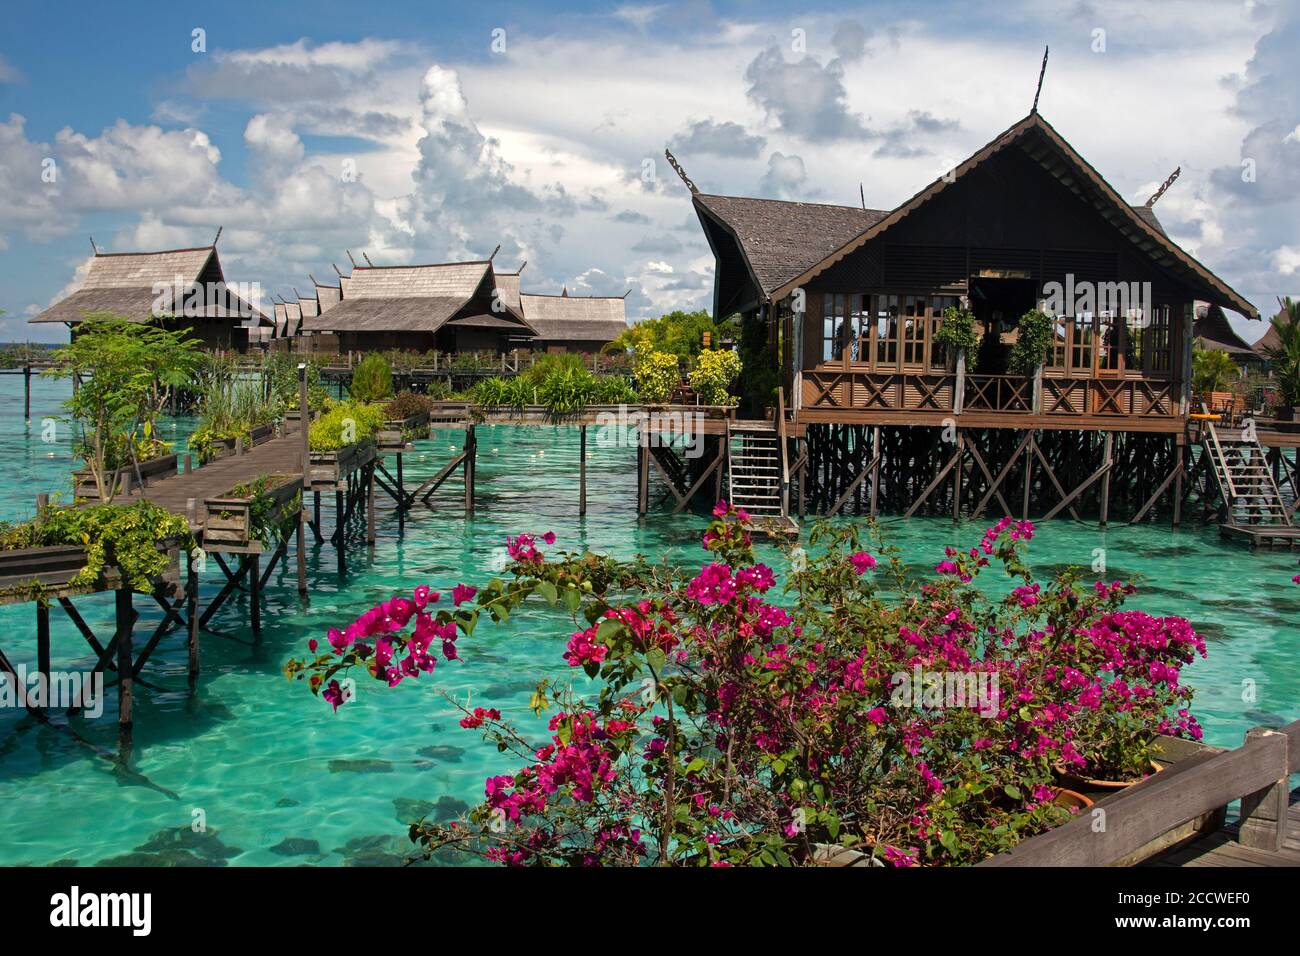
<point x="564" y="291"/>
<point x="1163" y="186"/>
<point x="350" y="259"/>
<point x="672" y="161"/>
<point x="1041" y="73"/>
<point x="862" y="194"/>
<point x="337" y="270"/>
<point x="94" y="248"/>
<point x="218" y="235"/>
<point x="494" y="252"/>
<point x="520" y="270"/>
<point x="367" y="258"/>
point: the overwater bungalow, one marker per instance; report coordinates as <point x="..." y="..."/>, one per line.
<point x="574" y="323"/>
<point x="448" y="307"/>
<point x="175" y="288"/>
<point x="853" y="300"/>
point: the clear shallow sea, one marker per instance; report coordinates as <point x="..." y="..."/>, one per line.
<point x="280" y="780"/>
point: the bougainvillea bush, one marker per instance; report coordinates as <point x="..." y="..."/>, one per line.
<point x="741" y="722"/>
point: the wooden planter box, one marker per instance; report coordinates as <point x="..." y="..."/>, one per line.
<point x="229" y="524"/>
<point x="390" y="437"/>
<point x="226" y="446"/>
<point x="50" y="570"/>
<point x="150" y="471"/>
<point x="330" y="468"/>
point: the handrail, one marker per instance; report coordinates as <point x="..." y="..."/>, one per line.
<point x="785" y="458"/>
<point x="1255" y="773"/>
<point x="1222" y="462"/>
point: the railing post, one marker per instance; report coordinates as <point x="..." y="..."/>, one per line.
<point x="1263" y="813"/>
<point x="959" y="387"/>
<point x="1036" y="403"/>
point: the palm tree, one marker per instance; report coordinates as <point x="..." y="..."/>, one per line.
<point x="1287" y="352"/>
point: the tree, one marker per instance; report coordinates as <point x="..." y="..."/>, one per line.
<point x="1287" y="352"/>
<point x="1212" y="371"/>
<point x="678" y="333"/>
<point x="124" y="372"/>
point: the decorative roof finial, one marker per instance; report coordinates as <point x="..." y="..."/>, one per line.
<point x="1163" y="186"/>
<point x="672" y="161"/>
<point x="494" y="252"/>
<point x="350" y="259"/>
<point x="94" y="248"/>
<point x="367" y="258"/>
<point x="1041" y="73"/>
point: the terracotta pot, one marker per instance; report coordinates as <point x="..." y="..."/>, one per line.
<point x="1091" y="785"/>
<point x="1070" y="799"/>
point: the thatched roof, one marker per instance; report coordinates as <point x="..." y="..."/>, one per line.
<point x="124" y="283"/>
<point x="410" y="298"/>
<point x="1212" y="327"/>
<point x="575" y="318"/>
<point x="508" y="288"/>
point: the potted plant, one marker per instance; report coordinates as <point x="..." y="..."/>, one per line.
<point x="957" y="335"/>
<point x="252" y="511"/>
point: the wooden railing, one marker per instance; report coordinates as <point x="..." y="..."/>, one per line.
<point x="999" y="393"/>
<point x="1122" y="827"/>
<point x="830" y="389"/>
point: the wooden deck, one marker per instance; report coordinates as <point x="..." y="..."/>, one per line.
<point x="278" y="456"/>
<point x="1222" y="849"/>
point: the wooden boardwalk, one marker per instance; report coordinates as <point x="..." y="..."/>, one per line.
<point x="1222" y="849"/>
<point x="278" y="456"/>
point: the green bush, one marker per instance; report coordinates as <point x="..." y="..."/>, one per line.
<point x="134" y="530"/>
<point x="1032" y="342"/>
<point x="1213" y="371"/>
<point x="958" y="333"/>
<point x="372" y="380"/>
<point x="345" y="424"/>
<point x="714" y="373"/>
<point x="657" y="374"/>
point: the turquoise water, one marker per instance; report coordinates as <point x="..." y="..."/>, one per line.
<point x="280" y="780"/>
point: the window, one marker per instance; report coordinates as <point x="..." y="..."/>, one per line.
<point x="1157" y="351"/>
<point x="885" y="328"/>
<point x="1081" y="344"/>
<point x="1060" y="339"/>
<point x="832" y="327"/>
<point x="913" y="331"/>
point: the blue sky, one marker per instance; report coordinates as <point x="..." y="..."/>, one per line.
<point x="424" y="132"/>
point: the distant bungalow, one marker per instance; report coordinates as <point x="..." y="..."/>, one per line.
<point x="447" y="307"/>
<point x="175" y="289"/>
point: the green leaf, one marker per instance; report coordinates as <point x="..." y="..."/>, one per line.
<point x="549" y="592"/>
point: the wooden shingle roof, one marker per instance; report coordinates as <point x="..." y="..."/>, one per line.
<point x="124" y="283"/>
<point x="596" y="319"/>
<point x="781" y="239"/>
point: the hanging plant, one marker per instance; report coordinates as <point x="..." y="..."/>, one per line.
<point x="957" y="333"/>
<point x="1032" y="342"/>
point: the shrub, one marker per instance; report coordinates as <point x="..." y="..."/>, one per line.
<point x="656" y="374"/>
<point x="407" y="404"/>
<point x="957" y="333"/>
<point x="1213" y="371"/>
<point x="345" y="424"/>
<point x="726" y="729"/>
<point x="1036" y="330"/>
<point x="716" y="370"/>
<point x="372" y="379"/>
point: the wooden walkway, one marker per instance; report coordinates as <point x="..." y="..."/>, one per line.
<point x="278" y="456"/>
<point x="1222" y="849"/>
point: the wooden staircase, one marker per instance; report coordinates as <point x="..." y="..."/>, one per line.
<point x="1253" y="507"/>
<point x="754" y="475"/>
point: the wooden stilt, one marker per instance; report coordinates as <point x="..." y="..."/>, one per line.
<point x="302" y="552"/>
<point x="1108" y="446"/>
<point x="43" y="649"/>
<point x="1180" y="453"/>
<point x="956" y="478"/>
<point x="1029" y="476"/>
<point x="192" y="615"/>
<point x="582" y="469"/>
<point x="27" y="393"/>
<point x="370" y="504"/>
<point x="340" y="533"/>
<point x="403" y="501"/>
<point x="315" y="509"/>
<point x="875" y="467"/>
<point x="125" y="680"/>
<point x="255" y="594"/>
<point x="471" y="463"/>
